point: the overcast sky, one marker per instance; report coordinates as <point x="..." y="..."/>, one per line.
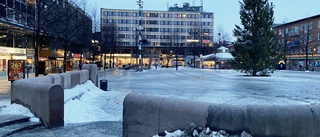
<point x="226" y="12"/>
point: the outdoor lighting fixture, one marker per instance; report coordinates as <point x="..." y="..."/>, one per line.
<point x="192" y="40"/>
<point x="140" y="3"/>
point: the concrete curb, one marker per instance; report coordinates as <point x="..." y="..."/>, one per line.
<point x="146" y="115"/>
<point x="44" y="96"/>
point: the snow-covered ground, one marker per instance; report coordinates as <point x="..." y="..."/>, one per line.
<point x="207" y="85"/>
<point x="93" y="105"/>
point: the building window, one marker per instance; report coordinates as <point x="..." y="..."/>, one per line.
<point x="301" y="27"/>
<point x="318" y="36"/>
<point x="310" y="25"/>
<point x="319" y="24"/>
<point x="310" y="37"/>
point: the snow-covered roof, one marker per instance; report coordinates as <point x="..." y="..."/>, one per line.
<point x="222" y="47"/>
<point x="210" y="56"/>
<point x="224" y="56"/>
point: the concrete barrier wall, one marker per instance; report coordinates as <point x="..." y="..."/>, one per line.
<point x="84" y="76"/>
<point x="44" y="95"/>
<point x="145" y="115"/>
<point x="65" y="80"/>
<point x="93" y="69"/>
<point x="43" y="99"/>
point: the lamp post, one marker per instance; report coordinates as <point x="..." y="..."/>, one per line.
<point x="140" y="4"/>
<point x="194" y="47"/>
<point x="314" y="49"/>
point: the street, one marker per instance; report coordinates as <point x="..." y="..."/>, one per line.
<point x="221" y="86"/>
<point x="214" y="86"/>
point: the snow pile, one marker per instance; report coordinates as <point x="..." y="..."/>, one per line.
<point x="83" y="103"/>
<point x="16" y="109"/>
<point x="193" y="131"/>
<point x="88" y="103"/>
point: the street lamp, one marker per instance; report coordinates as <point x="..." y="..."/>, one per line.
<point x="140" y="4"/>
<point x="314" y="49"/>
<point x="194" y="47"/>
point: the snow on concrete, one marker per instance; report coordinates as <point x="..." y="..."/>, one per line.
<point x="206" y="85"/>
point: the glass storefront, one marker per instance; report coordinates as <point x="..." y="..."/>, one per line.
<point x="6" y="54"/>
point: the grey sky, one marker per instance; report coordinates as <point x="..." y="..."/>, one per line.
<point x="226" y="12"/>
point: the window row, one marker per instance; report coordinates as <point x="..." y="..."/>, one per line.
<point x="169" y="37"/>
<point x="153" y="22"/>
<point x="162" y="15"/>
<point x="166" y="30"/>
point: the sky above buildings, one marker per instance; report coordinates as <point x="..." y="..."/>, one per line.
<point x="226" y="12"/>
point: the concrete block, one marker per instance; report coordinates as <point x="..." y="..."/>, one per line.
<point x="45" y="100"/>
<point x="231" y="118"/>
<point x="315" y="109"/>
<point x="265" y="120"/>
<point x="84" y="76"/>
<point x="140" y="115"/>
<point x="23" y="93"/>
<point x="176" y="113"/>
<point x="56" y="79"/>
<point x="43" y="79"/>
<point x="93" y="71"/>
<point x="66" y="80"/>
<point x="74" y="78"/>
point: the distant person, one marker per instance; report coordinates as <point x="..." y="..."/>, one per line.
<point x="156" y="64"/>
<point x="300" y="67"/>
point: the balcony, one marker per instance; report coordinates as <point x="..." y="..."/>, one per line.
<point x="293" y="33"/>
<point x="294" y="43"/>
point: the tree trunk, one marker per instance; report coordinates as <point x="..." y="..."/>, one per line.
<point x="65" y="61"/>
<point x="254" y="72"/>
<point x="36" y="55"/>
<point x="151" y="58"/>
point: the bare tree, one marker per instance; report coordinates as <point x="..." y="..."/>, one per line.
<point x="64" y="29"/>
<point x="45" y="16"/>
<point x="195" y="38"/>
<point x="168" y="47"/>
<point x="282" y="44"/>
<point x="109" y="40"/>
<point x="83" y="34"/>
<point x="305" y="37"/>
<point x="222" y="37"/>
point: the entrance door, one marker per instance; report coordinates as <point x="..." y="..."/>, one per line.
<point x="42" y="67"/>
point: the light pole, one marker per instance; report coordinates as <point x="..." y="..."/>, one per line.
<point x="194" y="47"/>
<point x="140" y="4"/>
<point x="314" y="49"/>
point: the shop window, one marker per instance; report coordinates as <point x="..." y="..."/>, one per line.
<point x="10" y="3"/>
<point x="2" y="11"/>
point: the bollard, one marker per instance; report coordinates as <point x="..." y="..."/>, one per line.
<point x="104" y="84"/>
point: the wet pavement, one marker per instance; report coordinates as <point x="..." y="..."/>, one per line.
<point x="206" y="85"/>
<point x="95" y="129"/>
<point x="221" y="86"/>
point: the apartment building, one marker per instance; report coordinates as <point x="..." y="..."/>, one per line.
<point x="17" y="23"/>
<point x="15" y="31"/>
<point x="295" y="38"/>
<point x="189" y="26"/>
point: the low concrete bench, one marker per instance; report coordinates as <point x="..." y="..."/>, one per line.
<point x="44" y="95"/>
<point x="146" y="115"/>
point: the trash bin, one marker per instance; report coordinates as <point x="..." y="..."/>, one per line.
<point x="104" y="84"/>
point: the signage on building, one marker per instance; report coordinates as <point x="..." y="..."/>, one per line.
<point x="206" y="41"/>
<point x="12" y="50"/>
<point x="15" y="69"/>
